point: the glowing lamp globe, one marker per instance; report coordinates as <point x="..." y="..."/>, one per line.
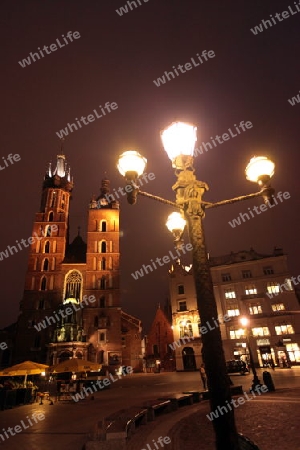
<point x="179" y="140"/>
<point x="131" y="162"/>
<point x="244" y="321"/>
<point x="175" y="222"/>
<point x="259" y="169"/>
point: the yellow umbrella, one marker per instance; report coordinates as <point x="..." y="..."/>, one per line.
<point x="76" y="365"/>
<point x="24" y="368"/>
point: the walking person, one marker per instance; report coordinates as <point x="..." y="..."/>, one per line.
<point x="203" y="376"/>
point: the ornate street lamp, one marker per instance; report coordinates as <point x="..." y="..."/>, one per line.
<point x="179" y="142"/>
<point x="255" y="382"/>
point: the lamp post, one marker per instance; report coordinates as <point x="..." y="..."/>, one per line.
<point x="179" y="142"/>
<point x="255" y="382"/>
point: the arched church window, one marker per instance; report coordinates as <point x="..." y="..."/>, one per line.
<point x="45" y="264"/>
<point x="43" y="283"/>
<point x="47" y="247"/>
<point x="73" y="285"/>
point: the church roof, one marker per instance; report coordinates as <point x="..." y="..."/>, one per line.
<point x="76" y="251"/>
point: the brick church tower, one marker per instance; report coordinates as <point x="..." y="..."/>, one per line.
<point x="42" y="292"/>
<point x="71" y="304"/>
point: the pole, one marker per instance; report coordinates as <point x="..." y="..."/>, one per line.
<point x="213" y="353"/>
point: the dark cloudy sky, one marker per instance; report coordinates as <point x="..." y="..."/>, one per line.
<point x="116" y="59"/>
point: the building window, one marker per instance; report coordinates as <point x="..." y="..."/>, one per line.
<point x="43" y="283"/>
<point x="250" y="289"/>
<point x="103" y="283"/>
<point x="102" y="247"/>
<point x="180" y="289"/>
<point x="182" y="306"/>
<point x="288" y="284"/>
<point x="48" y="231"/>
<point x="260" y="331"/>
<point x="185" y="328"/>
<point x="278" y="307"/>
<point x="255" y="309"/>
<point x="229" y="293"/>
<point x="73" y="285"/>
<point x="103" y="264"/>
<point x="226" y="277"/>
<point x="47" y="247"/>
<point x="236" y="333"/>
<point x="284" y="329"/>
<point x="246" y="274"/>
<point x="45" y="264"/>
<point x="103" y="225"/>
<point x="233" y="310"/>
<point x="101" y="336"/>
<point x="102" y="302"/>
<point x="52" y="200"/>
<point x="273" y="288"/>
<point x="50" y="216"/>
<point x="268" y="270"/>
<point x="155" y="350"/>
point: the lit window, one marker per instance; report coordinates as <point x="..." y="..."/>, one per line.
<point x="284" y="329"/>
<point x="250" y="289"/>
<point x="288" y="284"/>
<point x="237" y="333"/>
<point x="229" y="293"/>
<point x="273" y="287"/>
<point x="246" y="274"/>
<point x="268" y="270"/>
<point x="233" y="312"/>
<point x="226" y="277"/>
<point x="261" y="331"/>
<point x="255" y="309"/>
<point x="185" y="328"/>
<point x="278" y="307"/>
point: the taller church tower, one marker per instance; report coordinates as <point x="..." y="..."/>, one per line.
<point x="71" y="305"/>
<point x="42" y="292"/>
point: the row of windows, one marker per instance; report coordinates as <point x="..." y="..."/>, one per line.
<point x="233" y="309"/>
<point x="47" y="283"/>
<point x="280" y="329"/>
<point x="267" y="270"/>
<point x="103" y="246"/>
<point x="103" y="264"/>
<point x="186" y="330"/>
<point x="102" y="303"/>
<point x="53" y="200"/>
<point x="250" y="289"/>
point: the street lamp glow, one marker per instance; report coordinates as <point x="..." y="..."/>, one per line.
<point x="175" y="222"/>
<point x="131" y="161"/>
<point x="259" y="167"/>
<point x="179" y="139"/>
<point x="244" y="321"/>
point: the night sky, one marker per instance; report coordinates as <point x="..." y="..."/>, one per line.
<point x="116" y="59"/>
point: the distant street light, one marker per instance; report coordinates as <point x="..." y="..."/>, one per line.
<point x="179" y="142"/>
<point x="255" y="382"/>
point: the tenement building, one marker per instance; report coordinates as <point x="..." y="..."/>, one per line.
<point x="246" y="284"/>
<point x="71" y="304"/>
